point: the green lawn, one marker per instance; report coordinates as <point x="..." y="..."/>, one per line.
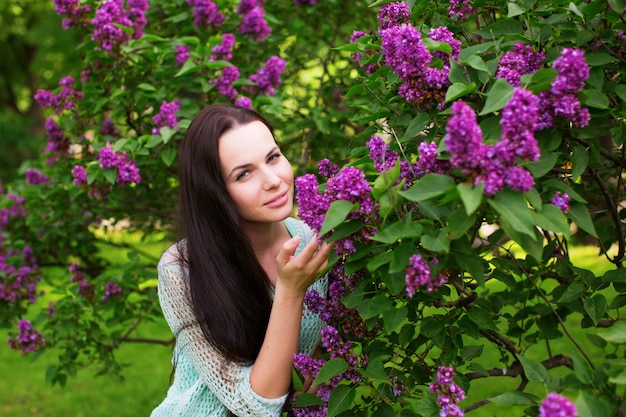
<point x="24" y="393"/>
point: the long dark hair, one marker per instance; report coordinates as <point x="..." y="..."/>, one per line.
<point x="229" y="289"/>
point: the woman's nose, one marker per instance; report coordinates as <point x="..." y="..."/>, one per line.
<point x="271" y="179"/>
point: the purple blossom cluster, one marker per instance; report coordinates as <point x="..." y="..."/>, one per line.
<point x="495" y="165"/>
<point x="111" y="289"/>
<point x="418" y="275"/>
<point x="561" y="200"/>
<point x="127" y="171"/>
<point x="166" y="117"/>
<point x="34" y="177"/>
<point x="562" y="100"/>
<point x="459" y="10"/>
<point x="309" y="367"/>
<point x="327" y="168"/>
<point x="19" y="272"/>
<point x="443" y="34"/>
<point x="520" y="61"/>
<point x="253" y="23"/>
<point x="268" y="78"/>
<point x="244" y="102"/>
<point x="85" y="289"/>
<point x="79" y="175"/>
<point x="381" y="154"/>
<point x="449" y="394"/>
<point x="137" y="14"/>
<point x="206" y="13"/>
<point x="108" y="128"/>
<point x="407" y="56"/>
<point x="65" y="99"/>
<point x="182" y="54"/>
<point x="28" y="339"/>
<point x="555" y="405"/>
<point x="224" y="83"/>
<point x="224" y="51"/>
<point x="393" y="14"/>
<point x="107" y="31"/>
<point x="75" y="14"/>
<point x="369" y="68"/>
<point x="58" y="144"/>
<point x="348" y="184"/>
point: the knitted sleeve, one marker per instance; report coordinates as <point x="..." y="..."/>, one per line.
<point x="228" y="381"/>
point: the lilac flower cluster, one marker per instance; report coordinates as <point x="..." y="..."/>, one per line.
<point x="495" y="165"/>
<point x="182" y="54"/>
<point x="108" y="128"/>
<point x="224" y="83"/>
<point x="127" y="171"/>
<point x="166" y="116"/>
<point x="64" y="100"/>
<point x="555" y="405"/>
<point x="443" y="34"/>
<point x="449" y="394"/>
<point x="75" y="13"/>
<point x="418" y="275"/>
<point x="459" y="10"/>
<point x="58" y="144"/>
<point x="206" y="13"/>
<point x="393" y="14"/>
<point x="369" y="68"/>
<point x="137" y="15"/>
<point x="407" y="56"/>
<point x="520" y="61"/>
<point x="267" y="78"/>
<point x="562" y="101"/>
<point x="253" y="23"/>
<point x="223" y="51"/>
<point x="107" y="31"/>
<point x="327" y="168"/>
<point x="28" y="339"/>
<point x="85" y="289"/>
<point x="111" y="289"/>
<point x="244" y="102"/>
<point x="19" y="272"/>
<point x="561" y="200"/>
<point x="309" y="367"/>
<point x="381" y="154"/>
<point x="79" y="175"/>
<point x="34" y="177"/>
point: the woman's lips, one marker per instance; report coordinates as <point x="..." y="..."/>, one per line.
<point x="277" y="201"/>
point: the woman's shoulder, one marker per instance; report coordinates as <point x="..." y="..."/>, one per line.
<point x="173" y="254"/>
<point x="297" y="227"/>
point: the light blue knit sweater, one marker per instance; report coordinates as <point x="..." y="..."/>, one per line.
<point x="205" y="384"/>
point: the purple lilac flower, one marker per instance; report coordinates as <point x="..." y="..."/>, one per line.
<point x="449" y="394"/>
<point x="381" y="154"/>
<point x="28" y="339"/>
<point x="108" y="158"/>
<point x="255" y="25"/>
<point x="109" y="17"/>
<point x="57" y="143"/>
<point x="244" y="102"/>
<point x="127" y="171"/>
<point x="327" y="168"/>
<point x="463" y="138"/>
<point x="312" y="206"/>
<point x="85" y="289"/>
<point x="111" y="289"/>
<point x="206" y="13"/>
<point x="572" y="70"/>
<point x="166" y="116"/>
<point x="19" y="275"/>
<point x="224" y="83"/>
<point x="459" y="10"/>
<point x="561" y="200"/>
<point x="555" y="405"/>
<point x="519" y="122"/>
<point x="182" y="55"/>
<point x="64" y="100"/>
<point x="51" y="310"/>
<point x="34" y="177"/>
<point x="74" y="12"/>
<point x="393" y="14"/>
<point x="418" y="275"/>
<point x="520" y="61"/>
<point x="268" y="78"/>
<point x="108" y="128"/>
<point x="427" y="161"/>
<point x="369" y="68"/>
<point x="80" y="175"/>
<point x="246" y="6"/>
<point x="223" y="51"/>
<point x="443" y="34"/>
<point x="137" y="15"/>
<point x="519" y="179"/>
<point x="351" y="185"/>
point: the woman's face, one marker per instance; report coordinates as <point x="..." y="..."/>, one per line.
<point x="258" y="177"/>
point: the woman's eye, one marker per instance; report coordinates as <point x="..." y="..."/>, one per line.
<point x="242" y="175"/>
<point x="273" y="157"/>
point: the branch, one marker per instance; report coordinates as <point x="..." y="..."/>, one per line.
<point x="517" y="369"/>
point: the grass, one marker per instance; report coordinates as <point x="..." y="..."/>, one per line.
<point x="24" y="393"/>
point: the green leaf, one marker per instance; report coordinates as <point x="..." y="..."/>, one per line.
<point x="596" y="307"/>
<point x="330" y="369"/>
<point x="514" y="398"/>
<point x="614" y="275"/>
<point x="477" y="63"/>
<point x="397" y="231"/>
<point x="306" y="399"/>
<point x="438" y="243"/>
<point x="431" y="327"/>
<point x="375" y="370"/>
<point x="598" y="59"/>
<point x="498" y="96"/>
<point x="534" y="371"/>
<point x="619" y="379"/>
<point x="188" y="67"/>
<point x="620" y="90"/>
<point x="336" y="215"/>
<point x="470" y="352"/>
<point x="471" y="196"/>
<point x="545" y="163"/>
<point x="481" y="318"/>
<point x="617" y="6"/>
<point x="394" y="317"/>
<point x="458" y="90"/>
<point x="579" y="214"/>
<point x="514" y="10"/>
<point x="472" y="263"/>
<point x="427" y="187"/>
<point x="573" y="292"/>
<point x="580" y="159"/>
<point x="594" y="98"/>
<point x="459" y="223"/>
<point x="513" y="209"/>
<point x="588" y="405"/>
<point x="340" y="400"/>
<point x="582" y="369"/>
<point x="551" y="218"/>
<point x="168" y="156"/>
<point x="416" y="125"/>
<point x="298" y="383"/>
<point x="616" y="334"/>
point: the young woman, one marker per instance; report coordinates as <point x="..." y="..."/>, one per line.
<point x="233" y="289"/>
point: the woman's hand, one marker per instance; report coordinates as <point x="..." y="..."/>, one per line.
<point x="297" y="273"/>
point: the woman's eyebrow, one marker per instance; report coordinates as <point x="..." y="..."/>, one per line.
<point x="242" y="166"/>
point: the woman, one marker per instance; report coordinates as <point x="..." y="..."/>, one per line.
<point x="233" y="290"/>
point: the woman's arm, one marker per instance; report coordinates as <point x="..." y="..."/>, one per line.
<point x="272" y="370"/>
